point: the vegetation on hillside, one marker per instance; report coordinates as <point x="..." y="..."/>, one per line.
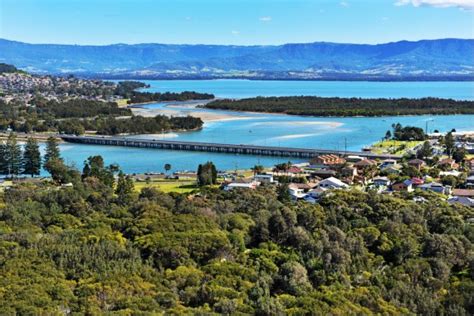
<point x="318" y="106"/>
<point x="100" y="247"/>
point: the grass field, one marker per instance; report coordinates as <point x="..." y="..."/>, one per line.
<point x="395" y="147"/>
<point x="168" y="185"/>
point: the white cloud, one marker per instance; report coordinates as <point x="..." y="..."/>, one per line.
<point x="235" y="32"/>
<point x="463" y="4"/>
<point x="344" y="4"/>
<point x="265" y="18"/>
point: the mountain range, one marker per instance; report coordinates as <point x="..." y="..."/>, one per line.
<point x="425" y="59"/>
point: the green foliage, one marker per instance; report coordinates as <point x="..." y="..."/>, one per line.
<point x="207" y="174"/>
<point x="143" y="97"/>
<point x="86" y="250"/>
<point x="31" y="162"/>
<point x="318" y="106"/>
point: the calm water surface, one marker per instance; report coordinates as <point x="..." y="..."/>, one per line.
<point x="279" y="130"/>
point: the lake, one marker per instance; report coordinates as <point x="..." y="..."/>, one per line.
<point x="278" y="130"/>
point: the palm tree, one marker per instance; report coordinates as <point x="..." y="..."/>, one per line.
<point x="257" y="169"/>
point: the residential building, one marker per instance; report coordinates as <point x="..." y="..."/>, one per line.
<point x="332" y="183"/>
<point x="403" y="186"/>
<point x="417" y="163"/>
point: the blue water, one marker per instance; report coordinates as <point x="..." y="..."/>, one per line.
<point x="279" y="130"/>
<point x="252" y="88"/>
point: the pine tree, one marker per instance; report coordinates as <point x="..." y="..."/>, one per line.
<point x="31" y="161"/>
<point x="52" y="157"/>
<point x="3" y="161"/>
<point x="52" y="150"/>
<point x="12" y="155"/>
<point x="125" y="188"/>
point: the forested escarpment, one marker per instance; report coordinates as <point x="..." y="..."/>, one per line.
<point x="93" y="249"/>
<point x="318" y="106"/>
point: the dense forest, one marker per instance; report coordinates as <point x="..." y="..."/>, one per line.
<point x="99" y="247"/>
<point x="318" y="106"/>
<point x="143" y="97"/>
<point x="77" y="116"/>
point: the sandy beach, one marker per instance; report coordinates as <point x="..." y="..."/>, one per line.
<point x="186" y="108"/>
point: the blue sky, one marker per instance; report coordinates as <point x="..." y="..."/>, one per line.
<point x="242" y="22"/>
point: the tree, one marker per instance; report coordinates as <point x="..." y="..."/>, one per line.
<point x="388" y="135"/>
<point x="3" y="161"/>
<point x="167" y="167"/>
<point x="94" y="167"/>
<point x="449" y="143"/>
<point x="207" y="174"/>
<point x="52" y="150"/>
<point x="12" y="155"/>
<point x="425" y="151"/>
<point x="125" y="189"/>
<point x="459" y="154"/>
<point x="31" y="162"/>
<point x="257" y="169"/>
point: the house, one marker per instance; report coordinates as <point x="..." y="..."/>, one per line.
<point x="241" y="185"/>
<point x="323" y="173"/>
<point x="448" y="163"/>
<point x="366" y="163"/>
<point x="403" y="186"/>
<point x="417" y="163"/>
<point x="264" y="178"/>
<point x="395" y="169"/>
<point x="349" y="172"/>
<point x="435" y="187"/>
<point x="332" y="183"/>
<point x="388" y="163"/>
<point x="317" y="192"/>
<point x="463" y="192"/>
<point x="327" y="161"/>
<point x="296" y="192"/>
<point x="417" y="182"/>
<point x="470" y="181"/>
<point x="381" y="181"/>
<point x="464" y="200"/>
<point x="454" y="173"/>
<point x="295" y="170"/>
<point x="354" y="158"/>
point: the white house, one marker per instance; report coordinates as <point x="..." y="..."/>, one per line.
<point x="264" y="178"/>
<point x="381" y="181"/>
<point x="332" y="183"/>
<point x="464" y="200"/>
<point x="241" y="185"/>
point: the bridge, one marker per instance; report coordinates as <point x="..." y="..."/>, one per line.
<point x="219" y="148"/>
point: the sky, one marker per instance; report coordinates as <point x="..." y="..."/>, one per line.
<point x="238" y="22"/>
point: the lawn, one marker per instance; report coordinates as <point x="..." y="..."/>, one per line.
<point x="168" y="185"/>
<point x="395" y="147"/>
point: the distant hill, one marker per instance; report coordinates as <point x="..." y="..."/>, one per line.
<point x="426" y="59"/>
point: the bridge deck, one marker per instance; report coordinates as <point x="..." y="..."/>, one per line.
<point x="216" y="147"/>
